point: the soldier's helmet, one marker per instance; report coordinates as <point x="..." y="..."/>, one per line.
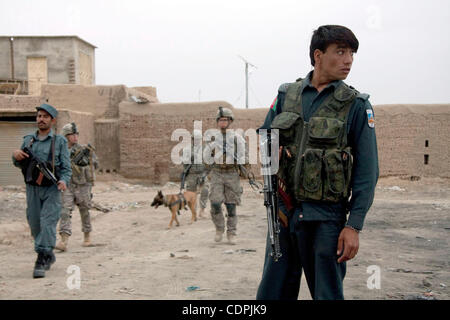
<point x="70" y="128"/>
<point x="224" y="112"/>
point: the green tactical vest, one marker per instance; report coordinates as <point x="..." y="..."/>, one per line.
<point x="317" y="162"/>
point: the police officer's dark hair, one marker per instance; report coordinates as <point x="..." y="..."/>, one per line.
<point x="329" y="34"/>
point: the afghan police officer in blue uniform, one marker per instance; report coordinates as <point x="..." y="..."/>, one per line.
<point x="328" y="152"/>
<point x="45" y="163"/>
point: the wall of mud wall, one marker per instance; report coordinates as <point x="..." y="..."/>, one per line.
<point x="107" y="144"/>
<point x="84" y="122"/>
<point x="20" y="103"/>
<point x="101" y="101"/>
<point x="145" y="134"/>
<point x="413" y="140"/>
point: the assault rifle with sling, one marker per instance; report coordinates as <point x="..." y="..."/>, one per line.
<point x="41" y="165"/>
<point x="84" y="152"/>
<point x="79" y="158"/>
<point x="270" y="191"/>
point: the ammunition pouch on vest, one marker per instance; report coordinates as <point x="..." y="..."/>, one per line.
<point x="82" y="164"/>
<point x="316" y="161"/>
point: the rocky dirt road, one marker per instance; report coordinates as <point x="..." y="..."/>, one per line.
<point x="406" y="239"/>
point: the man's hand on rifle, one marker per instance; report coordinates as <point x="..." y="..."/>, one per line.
<point x="62" y="185"/>
<point x="19" y="155"/>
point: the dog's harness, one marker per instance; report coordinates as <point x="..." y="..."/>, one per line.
<point x="180" y="200"/>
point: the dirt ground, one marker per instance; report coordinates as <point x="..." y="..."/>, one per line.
<point x="405" y="237"/>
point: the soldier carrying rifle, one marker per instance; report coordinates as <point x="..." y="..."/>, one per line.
<point x="45" y="163"/>
<point x="328" y="170"/>
<point x="83" y="162"/>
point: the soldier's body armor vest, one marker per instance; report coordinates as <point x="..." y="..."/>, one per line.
<point x="83" y="171"/>
<point x="316" y="164"/>
<point x="225" y="150"/>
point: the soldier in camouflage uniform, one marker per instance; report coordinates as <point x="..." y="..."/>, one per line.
<point x="194" y="174"/>
<point x="224" y="177"/>
<point x="204" y="192"/>
<point x="79" y="190"/>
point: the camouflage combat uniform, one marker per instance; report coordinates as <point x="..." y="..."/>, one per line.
<point x="225" y="187"/>
<point x="78" y="193"/>
<point x="195" y="176"/>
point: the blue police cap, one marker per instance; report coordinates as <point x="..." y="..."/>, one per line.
<point x="46" y="107"/>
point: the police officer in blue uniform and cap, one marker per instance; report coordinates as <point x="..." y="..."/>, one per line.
<point x="328" y="152"/>
<point x="45" y="163"/>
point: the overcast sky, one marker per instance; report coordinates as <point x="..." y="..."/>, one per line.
<point x="189" y="50"/>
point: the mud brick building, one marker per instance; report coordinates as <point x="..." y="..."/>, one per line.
<point x="28" y="62"/>
<point x="131" y="130"/>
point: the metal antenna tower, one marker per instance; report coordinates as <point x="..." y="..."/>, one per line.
<point x="246" y="79"/>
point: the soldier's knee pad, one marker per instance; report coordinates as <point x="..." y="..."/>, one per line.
<point x="231" y="209"/>
<point x="216" y="207"/>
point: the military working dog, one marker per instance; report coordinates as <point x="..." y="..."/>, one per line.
<point x="176" y="202"/>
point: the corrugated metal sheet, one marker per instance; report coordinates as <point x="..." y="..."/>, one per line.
<point x="11" y="138"/>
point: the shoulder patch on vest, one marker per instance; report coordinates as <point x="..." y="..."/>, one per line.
<point x="344" y="93"/>
<point x="370" y="118"/>
<point x="363" y="96"/>
<point x="283" y="88"/>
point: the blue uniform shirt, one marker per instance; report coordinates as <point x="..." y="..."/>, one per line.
<point x="42" y="148"/>
<point x="362" y="140"/>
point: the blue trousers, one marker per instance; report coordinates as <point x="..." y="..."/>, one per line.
<point x="43" y="213"/>
<point x="309" y="247"/>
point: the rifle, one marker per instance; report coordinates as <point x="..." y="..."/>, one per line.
<point x="41" y="165"/>
<point x="270" y="191"/>
<point x="84" y="152"/>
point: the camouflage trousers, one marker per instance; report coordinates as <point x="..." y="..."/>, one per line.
<point x="193" y="181"/>
<point x="225" y="188"/>
<point x="79" y="195"/>
<point x="193" y="184"/>
<point x="204" y="192"/>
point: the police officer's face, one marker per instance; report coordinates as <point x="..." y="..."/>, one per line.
<point x="44" y="120"/>
<point x="335" y="63"/>
<point x="72" y="138"/>
<point x="223" y="123"/>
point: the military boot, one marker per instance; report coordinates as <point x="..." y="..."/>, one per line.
<point x="39" y="266"/>
<point x="218" y="236"/>
<point x="49" y="260"/>
<point x="87" y="240"/>
<point x="62" y="244"/>
<point x="231" y="238"/>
